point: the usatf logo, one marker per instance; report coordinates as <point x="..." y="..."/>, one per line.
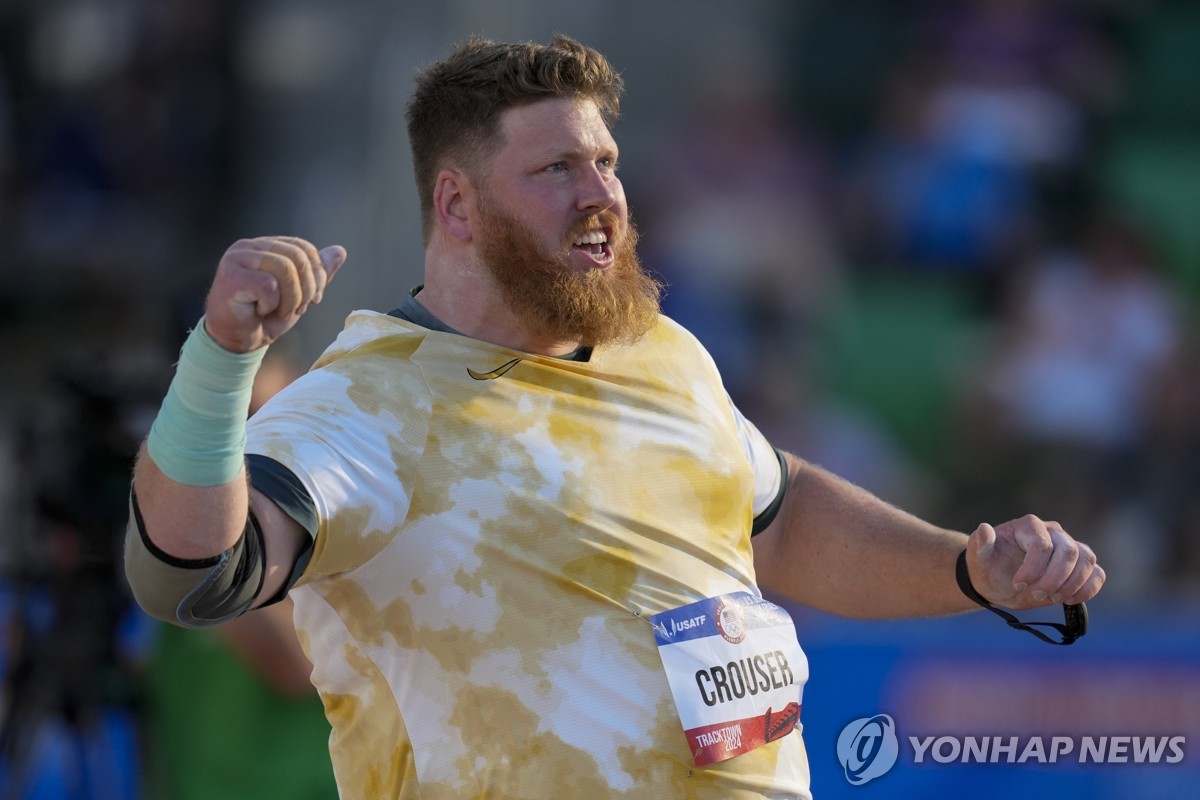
<point x="496" y="373"/>
<point x="867" y="748"/>
<point x="678" y="626"/>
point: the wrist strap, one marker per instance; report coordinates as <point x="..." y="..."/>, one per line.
<point x="1076" y="615"/>
<point x="199" y="435"/>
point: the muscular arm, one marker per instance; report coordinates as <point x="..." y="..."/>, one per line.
<point x="839" y="549"/>
<point x="196" y="522"/>
<point x="190" y="481"/>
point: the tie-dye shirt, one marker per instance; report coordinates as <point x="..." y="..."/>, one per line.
<point x="495" y="529"/>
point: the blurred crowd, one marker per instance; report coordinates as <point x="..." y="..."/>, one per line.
<point x="943" y="249"/>
<point x="966" y="292"/>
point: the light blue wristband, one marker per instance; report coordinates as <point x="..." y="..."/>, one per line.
<point x="199" y="435"/>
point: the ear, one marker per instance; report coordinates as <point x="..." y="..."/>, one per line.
<point x="451" y="203"/>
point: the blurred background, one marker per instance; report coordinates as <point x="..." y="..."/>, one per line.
<point x="948" y="250"/>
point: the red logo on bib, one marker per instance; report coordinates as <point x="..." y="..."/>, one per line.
<point x="730" y="623"/>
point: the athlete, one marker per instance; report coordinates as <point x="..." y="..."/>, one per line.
<point x="525" y="530"/>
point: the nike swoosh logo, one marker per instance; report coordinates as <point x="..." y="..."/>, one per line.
<point x="496" y="373"/>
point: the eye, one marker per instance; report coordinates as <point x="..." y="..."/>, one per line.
<point x="607" y="164"/>
<point x="557" y="166"/>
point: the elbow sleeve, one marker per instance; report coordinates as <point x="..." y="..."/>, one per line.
<point x="194" y="593"/>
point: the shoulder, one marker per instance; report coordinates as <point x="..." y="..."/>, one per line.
<point x="669" y="343"/>
<point x="668" y="330"/>
<point x="372" y="335"/>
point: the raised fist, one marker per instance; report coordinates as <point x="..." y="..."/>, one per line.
<point x="263" y="286"/>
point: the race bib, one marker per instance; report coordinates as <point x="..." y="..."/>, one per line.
<point x="736" y="672"/>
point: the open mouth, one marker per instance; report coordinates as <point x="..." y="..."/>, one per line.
<point x="595" y="244"/>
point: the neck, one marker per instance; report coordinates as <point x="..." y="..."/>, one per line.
<point x="462" y="293"/>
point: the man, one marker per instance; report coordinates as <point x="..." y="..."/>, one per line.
<point x="515" y="514"/>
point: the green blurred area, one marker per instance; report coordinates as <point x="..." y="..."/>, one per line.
<point x="216" y="729"/>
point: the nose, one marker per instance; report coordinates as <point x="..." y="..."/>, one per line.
<point x="598" y="190"/>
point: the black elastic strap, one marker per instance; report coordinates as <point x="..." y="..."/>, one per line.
<point x="195" y="593"/>
<point x="1076" y="615"/>
<point x="163" y="556"/>
<point x="219" y="600"/>
<point x="769" y="513"/>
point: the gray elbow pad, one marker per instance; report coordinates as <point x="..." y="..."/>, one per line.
<point x="194" y="593"/>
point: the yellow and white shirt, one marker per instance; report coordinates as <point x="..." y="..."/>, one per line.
<point x="495" y="528"/>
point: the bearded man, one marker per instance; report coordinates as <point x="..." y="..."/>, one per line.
<point x="525" y="529"/>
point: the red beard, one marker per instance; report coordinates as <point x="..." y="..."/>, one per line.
<point x="615" y="305"/>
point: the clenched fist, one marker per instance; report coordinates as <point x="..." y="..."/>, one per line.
<point x="263" y="286"/>
<point x="1027" y="563"/>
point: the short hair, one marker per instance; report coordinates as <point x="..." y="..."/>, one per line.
<point x="454" y="114"/>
